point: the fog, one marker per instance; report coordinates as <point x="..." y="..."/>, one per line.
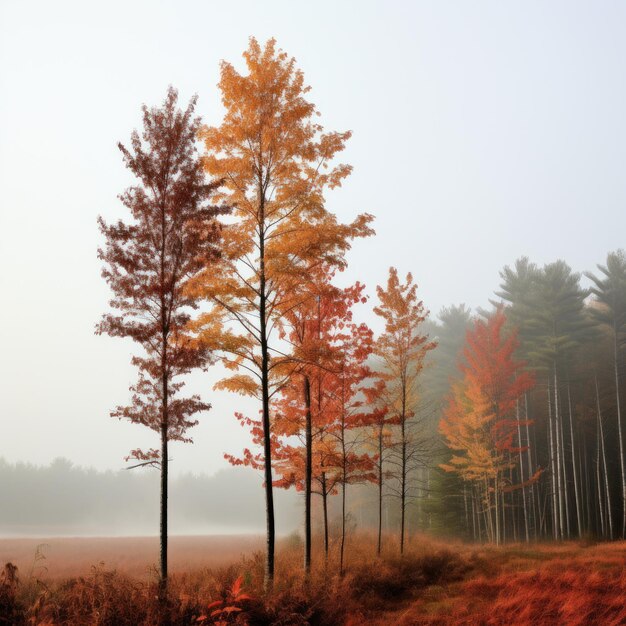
<point x="65" y="500"/>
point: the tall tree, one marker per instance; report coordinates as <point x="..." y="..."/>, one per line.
<point x="609" y="289"/>
<point x="402" y="349"/>
<point x="560" y="323"/>
<point x="274" y="159"/>
<point x="149" y="260"/>
<point x="519" y="290"/>
<point x="478" y="423"/>
<point x="547" y="305"/>
<point x="326" y="400"/>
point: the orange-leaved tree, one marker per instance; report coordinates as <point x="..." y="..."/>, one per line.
<point x="402" y="348"/>
<point x="479" y="423"/>
<point x="173" y="234"/>
<point x="309" y="329"/>
<point x="275" y="160"/>
<point x="325" y="403"/>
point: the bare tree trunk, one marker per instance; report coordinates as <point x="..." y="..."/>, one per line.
<point x="380" y="489"/>
<point x="403" y="486"/>
<point x="521" y="470"/>
<point x="555" y="514"/>
<point x="575" y="474"/>
<point x="420" y="496"/>
<point x="325" y="508"/>
<point x="564" y="470"/>
<point x="265" y="396"/>
<point x="619" y="428"/>
<point x="343" y="525"/>
<point x="488" y="513"/>
<point x="496" y="499"/>
<point x="599" y="482"/>
<point x="344" y="481"/>
<point x="164" y="497"/>
<point x="308" y="474"/>
<point x="163" y="525"/>
<point x="513" y="507"/>
<point x="609" y="513"/>
<point x="584" y="471"/>
<point x="267" y="455"/>
<point x="466" y="510"/>
<point x="543" y="515"/>
<point x="534" y="492"/>
<point x="429" y="517"/>
<point x="473" y="502"/>
<point x="559" y="476"/>
<point x="164" y="429"/>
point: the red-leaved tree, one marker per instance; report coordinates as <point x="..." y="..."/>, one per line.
<point x="172" y="235"/>
<point x="479" y="423"/>
<point x="325" y="404"/>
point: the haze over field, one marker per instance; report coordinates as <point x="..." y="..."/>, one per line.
<point x="63" y="500"/>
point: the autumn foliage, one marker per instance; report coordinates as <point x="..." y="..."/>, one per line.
<point x="276" y="164"/>
<point x="401" y="348"/>
<point x="173" y="235"/>
<point x="479" y="424"/>
<point x="326" y="404"/>
<point x="235" y="255"/>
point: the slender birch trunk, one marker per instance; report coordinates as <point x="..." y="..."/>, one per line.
<point x="555" y="515"/>
<point x="619" y="427"/>
<point x="599" y="482"/>
<point x="534" y="495"/>
<point x="574" y="472"/>
<point x="466" y="510"/>
<point x="559" y="476"/>
<point x="584" y="471"/>
<point x="521" y="470"/>
<point x="496" y="498"/>
<point x="609" y="512"/>
<point x="564" y="470"/>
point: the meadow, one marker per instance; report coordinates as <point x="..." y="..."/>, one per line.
<point x="219" y="580"/>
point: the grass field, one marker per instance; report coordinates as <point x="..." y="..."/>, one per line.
<point x="435" y="583"/>
<point x="134" y="556"/>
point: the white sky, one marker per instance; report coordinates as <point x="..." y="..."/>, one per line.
<point x="482" y="131"/>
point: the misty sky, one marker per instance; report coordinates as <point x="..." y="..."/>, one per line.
<point x="482" y="131"/>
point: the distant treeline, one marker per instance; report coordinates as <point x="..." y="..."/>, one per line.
<point x="62" y="498"/>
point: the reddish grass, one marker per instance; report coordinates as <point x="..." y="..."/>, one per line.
<point x="434" y="583"/>
<point x="134" y="556"/>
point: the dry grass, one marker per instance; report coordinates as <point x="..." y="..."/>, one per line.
<point x="134" y="556"/>
<point x="434" y="583"/>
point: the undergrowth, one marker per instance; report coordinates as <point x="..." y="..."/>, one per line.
<point x="433" y="583"/>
